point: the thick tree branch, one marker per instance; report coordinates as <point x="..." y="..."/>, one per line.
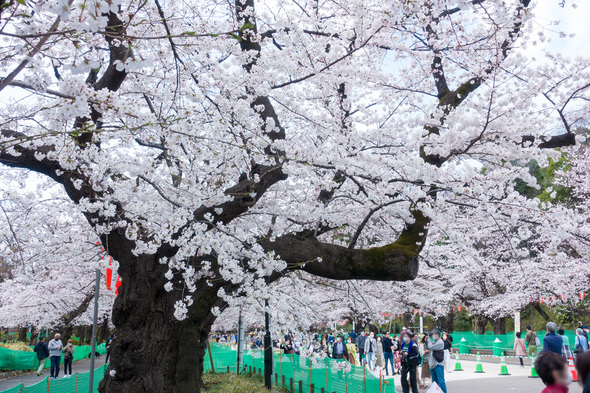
<point x="397" y="261"/>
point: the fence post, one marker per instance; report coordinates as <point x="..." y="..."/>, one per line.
<point x="291" y="384"/>
<point x="276" y="380"/>
<point x="48" y="391"/>
<point x="300" y="386"/>
<point x="322" y="390"/>
<point x="210" y="356"/>
<point x="311" y="388"/>
<point x="283" y="381"/>
<point x="365" y="377"/>
<point x="228" y="369"/>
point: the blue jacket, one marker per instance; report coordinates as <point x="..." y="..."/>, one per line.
<point x="552" y="343"/>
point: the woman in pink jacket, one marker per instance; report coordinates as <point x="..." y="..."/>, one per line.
<point x="520" y="348"/>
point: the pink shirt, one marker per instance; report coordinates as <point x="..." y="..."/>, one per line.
<point x="555" y="389"/>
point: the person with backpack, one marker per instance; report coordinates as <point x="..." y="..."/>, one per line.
<point x="532" y="341"/>
<point x="410" y="360"/>
<point x="68" y="358"/>
<point x="580" y="342"/>
<point x="42" y="351"/>
<point x="437" y="360"/>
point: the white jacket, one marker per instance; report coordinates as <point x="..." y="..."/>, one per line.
<point x="368" y="343"/>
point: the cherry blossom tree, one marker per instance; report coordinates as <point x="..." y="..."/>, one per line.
<point x="51" y="254"/>
<point x="215" y="147"/>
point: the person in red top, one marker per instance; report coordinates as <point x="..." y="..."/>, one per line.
<point x="554" y="372"/>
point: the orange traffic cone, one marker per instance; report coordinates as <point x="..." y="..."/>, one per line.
<point x="573" y="369"/>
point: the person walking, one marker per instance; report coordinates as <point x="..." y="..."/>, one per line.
<point x="325" y="347"/>
<point x="397" y="359"/>
<point x="360" y="346"/>
<point x="379" y="358"/>
<point x="339" y="349"/>
<point x="55" y="346"/>
<point x="583" y="368"/>
<point x="68" y="352"/>
<point x="416" y="339"/>
<point x="566" y="349"/>
<point x="552" y="342"/>
<point x="554" y="372"/>
<point x="436" y="361"/>
<point x="532" y="340"/>
<point x="388" y="352"/>
<point x="580" y="342"/>
<point x="410" y="360"/>
<point x="370" y="348"/>
<point x="520" y="348"/>
<point x="351" y="348"/>
<point x="425" y="357"/>
<point x="42" y="352"/>
<point x="448" y="344"/>
<point x="108" y="345"/>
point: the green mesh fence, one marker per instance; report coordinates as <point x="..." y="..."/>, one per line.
<point x="22" y="360"/>
<point x="487" y="341"/>
<point x="78" y="382"/>
<point x="320" y="374"/>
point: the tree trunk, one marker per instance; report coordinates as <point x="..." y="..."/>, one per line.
<point x="67" y="334"/>
<point x="542" y="312"/>
<point x="499" y="325"/>
<point x="80" y="332"/>
<point x="450" y="321"/>
<point x="154" y="352"/>
<point x="34" y="335"/>
<point x="105" y="332"/>
<point x="88" y="335"/>
<point x="22" y="334"/>
<point x="480" y="324"/>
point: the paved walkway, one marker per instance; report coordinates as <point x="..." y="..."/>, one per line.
<point x="468" y="381"/>
<point x="457" y="381"/>
<point x="82" y="366"/>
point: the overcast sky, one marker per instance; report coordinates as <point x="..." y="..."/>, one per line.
<point x="572" y="21"/>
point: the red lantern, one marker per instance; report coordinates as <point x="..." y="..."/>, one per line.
<point x="117" y="285"/>
<point x="582" y="296"/>
<point x="109" y="274"/>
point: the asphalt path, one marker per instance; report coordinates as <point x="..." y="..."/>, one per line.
<point x="81" y="366"/>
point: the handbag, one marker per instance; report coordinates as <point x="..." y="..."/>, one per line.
<point x="439" y="356"/>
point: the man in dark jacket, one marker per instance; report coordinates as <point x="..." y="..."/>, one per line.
<point x="339" y="350"/>
<point x="552" y="342"/>
<point x="388" y="352"/>
<point x="42" y="351"/>
<point x="360" y="347"/>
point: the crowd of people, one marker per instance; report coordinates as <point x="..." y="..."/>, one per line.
<point x="416" y="357"/>
<point x="552" y="364"/>
<point x="53" y="351"/>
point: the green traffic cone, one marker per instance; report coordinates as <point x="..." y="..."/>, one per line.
<point x="533" y="370"/>
<point x="478" y="365"/>
<point x="503" y="367"/>
<point x="458" y="364"/>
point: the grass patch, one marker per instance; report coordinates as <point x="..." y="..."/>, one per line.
<point x="232" y="383"/>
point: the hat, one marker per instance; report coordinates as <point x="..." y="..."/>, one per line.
<point x="585" y="327"/>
